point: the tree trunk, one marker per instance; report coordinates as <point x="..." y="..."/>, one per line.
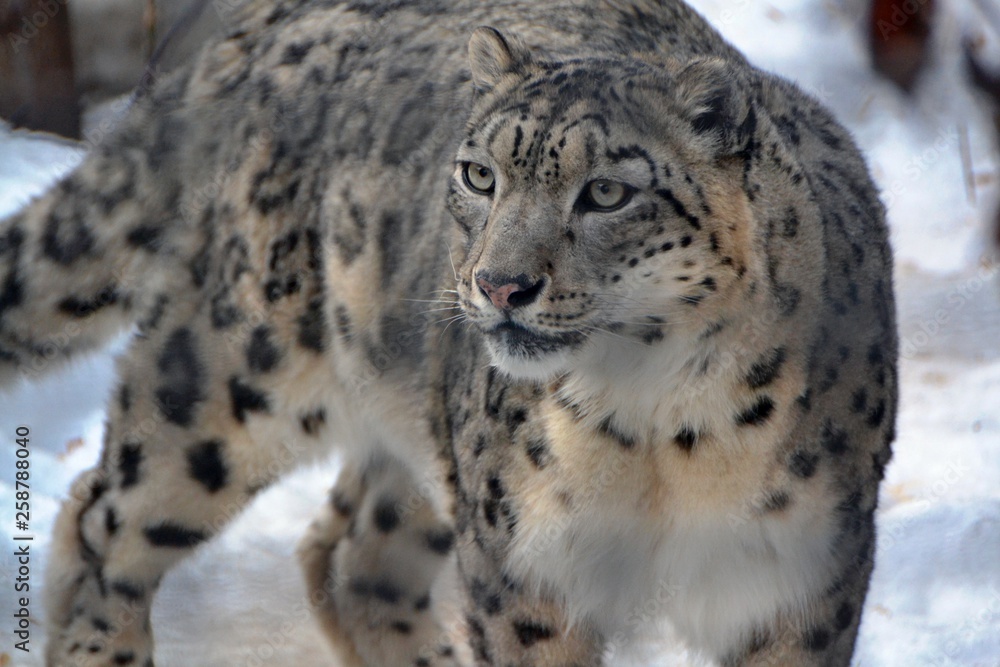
<point x="37" y="88"/>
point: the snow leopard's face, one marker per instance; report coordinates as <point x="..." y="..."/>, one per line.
<point x="585" y="221"/>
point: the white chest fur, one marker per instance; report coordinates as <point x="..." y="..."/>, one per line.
<point x="714" y="580"/>
<point x="629" y="538"/>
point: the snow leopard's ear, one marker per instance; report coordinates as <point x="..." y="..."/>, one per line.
<point x="492" y="55"/>
<point x="717" y="104"/>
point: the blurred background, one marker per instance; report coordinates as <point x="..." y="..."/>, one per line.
<point x="62" y="64"/>
<point x="61" y="61"/>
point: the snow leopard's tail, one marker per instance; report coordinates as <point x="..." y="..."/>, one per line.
<point x="77" y="263"/>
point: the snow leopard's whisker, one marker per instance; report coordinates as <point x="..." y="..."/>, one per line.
<point x="599" y="329"/>
<point x="451" y="258"/>
<point x="450" y="321"/>
<point x="440" y="301"/>
<point x="438" y="310"/>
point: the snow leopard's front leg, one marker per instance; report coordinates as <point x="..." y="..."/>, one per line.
<point x="195" y="429"/>
<point x="380" y="570"/>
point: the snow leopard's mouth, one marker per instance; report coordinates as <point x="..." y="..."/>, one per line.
<point x="520" y="341"/>
<point x="524" y="353"/>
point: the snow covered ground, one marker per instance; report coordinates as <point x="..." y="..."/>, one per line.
<point x="935" y="597"/>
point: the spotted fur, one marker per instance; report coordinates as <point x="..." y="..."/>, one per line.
<point x="674" y="409"/>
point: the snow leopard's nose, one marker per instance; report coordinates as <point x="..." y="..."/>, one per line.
<point x="508" y="293"/>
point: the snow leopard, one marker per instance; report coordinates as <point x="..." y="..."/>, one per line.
<point x="598" y="314"/>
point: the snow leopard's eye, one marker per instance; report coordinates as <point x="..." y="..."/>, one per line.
<point x="479" y="178"/>
<point x="604" y="195"/>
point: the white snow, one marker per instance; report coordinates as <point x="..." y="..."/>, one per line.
<point x="935" y="596"/>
